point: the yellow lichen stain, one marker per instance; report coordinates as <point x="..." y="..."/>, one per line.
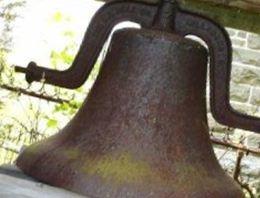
<point x="125" y="169"/>
<point x="120" y="169"/>
<point x="72" y="153"/>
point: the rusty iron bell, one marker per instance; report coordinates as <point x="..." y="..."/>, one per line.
<point x="142" y="132"/>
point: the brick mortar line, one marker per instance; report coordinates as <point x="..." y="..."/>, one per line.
<point x="250" y="92"/>
<point x="235" y="63"/>
<point x="238" y="38"/>
<point x="247" y="38"/>
<point x="242" y="103"/>
<point x="249" y="49"/>
<point x="239" y="46"/>
<point x="243" y="85"/>
<point x="235" y="36"/>
<point x="253" y="86"/>
<point x="250" y="95"/>
<point x="234" y="46"/>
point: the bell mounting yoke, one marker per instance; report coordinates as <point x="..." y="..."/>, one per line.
<point x="179" y="21"/>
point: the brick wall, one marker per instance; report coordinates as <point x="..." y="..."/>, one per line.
<point x="245" y="83"/>
<point x="245" y="97"/>
<point x="245" y="87"/>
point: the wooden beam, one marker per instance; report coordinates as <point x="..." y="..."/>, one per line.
<point x="238" y="14"/>
<point x="228" y="16"/>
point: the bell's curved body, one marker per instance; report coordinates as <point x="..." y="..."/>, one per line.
<point x="142" y="131"/>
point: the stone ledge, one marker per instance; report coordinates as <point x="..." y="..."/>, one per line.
<point x="17" y="187"/>
<point x="238" y="42"/>
<point x="255" y="99"/>
<point x="246" y="56"/>
<point x="239" y="93"/>
<point x="245" y="75"/>
<point x="254" y="41"/>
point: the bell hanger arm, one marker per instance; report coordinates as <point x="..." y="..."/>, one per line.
<point x="220" y="51"/>
<point x="97" y="33"/>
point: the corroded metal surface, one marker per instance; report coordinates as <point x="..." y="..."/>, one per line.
<point x="97" y="33"/>
<point x="220" y="69"/>
<point x="142" y="132"/>
<point x="185" y="23"/>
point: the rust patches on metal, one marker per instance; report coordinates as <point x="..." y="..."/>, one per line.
<point x="184" y="23"/>
<point x="142" y="132"/>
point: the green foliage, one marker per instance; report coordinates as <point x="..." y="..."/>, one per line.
<point x="24" y="119"/>
<point x="8" y="14"/>
<point x="52" y="123"/>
